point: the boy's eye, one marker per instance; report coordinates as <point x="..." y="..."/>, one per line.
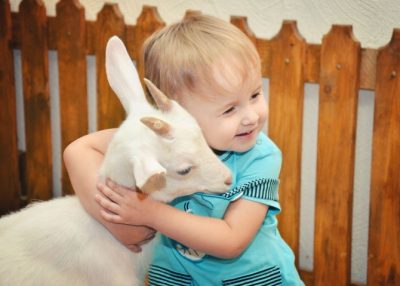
<point x="254" y="96"/>
<point x="184" y="171"/>
<point x="229" y="110"/>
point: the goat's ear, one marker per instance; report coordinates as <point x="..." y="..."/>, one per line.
<point x="149" y="174"/>
<point x="159" y="126"/>
<point x="161" y="100"/>
<point x="122" y="74"/>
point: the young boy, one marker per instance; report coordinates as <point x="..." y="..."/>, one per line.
<point x="212" y="70"/>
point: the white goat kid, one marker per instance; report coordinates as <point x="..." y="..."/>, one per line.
<point x="161" y="151"/>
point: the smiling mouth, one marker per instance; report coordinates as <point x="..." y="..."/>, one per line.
<point x="245" y="133"/>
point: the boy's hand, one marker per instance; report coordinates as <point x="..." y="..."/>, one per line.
<point x="123" y="205"/>
<point x="147" y="234"/>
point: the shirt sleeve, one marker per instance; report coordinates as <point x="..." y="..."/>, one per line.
<point x="258" y="179"/>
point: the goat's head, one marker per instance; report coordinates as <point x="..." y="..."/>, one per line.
<point x="174" y="159"/>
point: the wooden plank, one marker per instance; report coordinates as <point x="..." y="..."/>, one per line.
<point x="192" y="13"/>
<point x="110" y="22"/>
<point x="384" y="228"/>
<point x="34" y="54"/>
<point x="147" y="23"/>
<point x="368" y="69"/>
<point x="286" y="96"/>
<point x="91" y="29"/>
<point x="52" y="33"/>
<point x="263" y="48"/>
<point x="130" y="37"/>
<point x="312" y="63"/>
<point x="339" y="81"/>
<point x="71" y="46"/>
<point x="16" y="35"/>
<point x="241" y="23"/>
<point x="9" y="176"/>
<point x="308" y="278"/>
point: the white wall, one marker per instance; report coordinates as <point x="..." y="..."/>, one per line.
<point x="373" y="22"/>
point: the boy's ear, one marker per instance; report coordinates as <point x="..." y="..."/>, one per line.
<point x="149" y="174"/>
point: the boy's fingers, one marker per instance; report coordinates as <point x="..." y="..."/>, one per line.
<point x="110" y="217"/>
<point x="109" y="193"/>
<point x="106" y="204"/>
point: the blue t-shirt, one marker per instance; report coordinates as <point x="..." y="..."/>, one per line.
<point x="266" y="261"/>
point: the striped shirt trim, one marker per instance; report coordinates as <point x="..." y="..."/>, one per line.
<point x="266" y="277"/>
<point x="266" y="189"/>
<point x="163" y="276"/>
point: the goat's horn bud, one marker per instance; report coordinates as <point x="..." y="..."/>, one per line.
<point x="159" y="126"/>
<point x="162" y="101"/>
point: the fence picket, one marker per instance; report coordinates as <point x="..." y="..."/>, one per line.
<point x="339" y="65"/>
<point x="339" y="82"/>
<point x="384" y="228"/>
<point x="71" y="47"/>
<point x="285" y="122"/>
<point x="9" y="175"/>
<point x="147" y="23"/>
<point x="110" y="22"/>
<point x="35" y="71"/>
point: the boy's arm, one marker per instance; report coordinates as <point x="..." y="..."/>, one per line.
<point x="224" y="238"/>
<point x="82" y="159"/>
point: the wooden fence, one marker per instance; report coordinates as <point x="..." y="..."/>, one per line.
<point x="339" y="65"/>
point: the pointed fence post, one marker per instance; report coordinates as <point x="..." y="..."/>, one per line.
<point x="9" y="173"/>
<point x="384" y="228"/>
<point x="339" y="83"/>
<point x="71" y="48"/>
<point x="285" y="124"/>
<point x="147" y="23"/>
<point x="110" y="22"/>
<point x="35" y="72"/>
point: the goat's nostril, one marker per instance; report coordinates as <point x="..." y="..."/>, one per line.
<point x="228" y="181"/>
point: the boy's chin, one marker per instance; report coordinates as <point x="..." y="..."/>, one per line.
<point x="243" y="147"/>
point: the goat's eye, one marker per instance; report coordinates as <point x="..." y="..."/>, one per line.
<point x="185" y="171"/>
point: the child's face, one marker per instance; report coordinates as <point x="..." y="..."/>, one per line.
<point x="232" y="120"/>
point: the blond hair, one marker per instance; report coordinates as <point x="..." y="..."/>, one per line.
<point x="181" y="57"/>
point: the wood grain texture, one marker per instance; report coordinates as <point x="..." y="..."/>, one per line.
<point x="339" y="81"/>
<point x="191" y="13"/>
<point x="312" y="63"/>
<point x="71" y="47"/>
<point x="368" y="57"/>
<point x="147" y="23"/>
<point x="286" y="96"/>
<point x="241" y="23"/>
<point x="34" y="55"/>
<point x="110" y="22"/>
<point x="9" y="174"/>
<point x="384" y="228"/>
<point x="338" y="64"/>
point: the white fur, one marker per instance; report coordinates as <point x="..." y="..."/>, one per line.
<point x="58" y="243"/>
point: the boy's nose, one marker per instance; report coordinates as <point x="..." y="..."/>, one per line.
<point x="250" y="118"/>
